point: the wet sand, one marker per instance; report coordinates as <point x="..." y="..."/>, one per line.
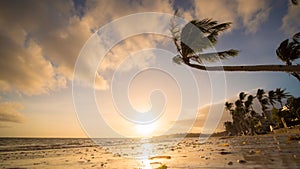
<point x="263" y="151"/>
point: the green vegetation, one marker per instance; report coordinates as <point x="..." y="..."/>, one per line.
<point x="246" y="120"/>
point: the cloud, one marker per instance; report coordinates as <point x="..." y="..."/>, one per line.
<point x="253" y="13"/>
<point x="247" y="14"/>
<point x="100" y="83"/>
<point x="128" y="47"/>
<point x="26" y="67"/>
<point x="221" y="11"/>
<point x="290" y="22"/>
<point x="202" y="117"/>
<point x="10" y="112"/>
<point x="26" y="70"/>
<point x="39" y="50"/>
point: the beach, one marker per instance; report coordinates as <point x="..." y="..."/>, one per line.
<point x="262" y="151"/>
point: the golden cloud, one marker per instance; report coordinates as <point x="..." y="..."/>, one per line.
<point x="10" y="112"/>
<point x="290" y="22"/>
<point x="251" y="13"/>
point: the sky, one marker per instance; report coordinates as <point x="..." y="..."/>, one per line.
<point x="43" y="41"/>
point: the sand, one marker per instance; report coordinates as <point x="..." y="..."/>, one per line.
<point x="264" y="151"/>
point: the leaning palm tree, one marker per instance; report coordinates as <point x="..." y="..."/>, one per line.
<point x="199" y="35"/>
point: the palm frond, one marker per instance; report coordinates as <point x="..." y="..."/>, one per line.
<point x="296" y="37"/>
<point x="228" y="106"/>
<point x="205" y="25"/>
<point x="222" y="26"/>
<point x="295" y="2"/>
<point x="260" y="94"/>
<point x="174" y="29"/>
<point x="272" y="97"/>
<point x="282" y="50"/>
<point x="242" y="96"/>
<point x="198" y="35"/>
<point x="178" y="60"/>
<point x="250" y="98"/>
<point x="231" y="52"/>
<point x="193" y="40"/>
<point x="289" y="51"/>
<point x="213" y="37"/>
<point x="212" y="57"/>
<point x="264" y="101"/>
<point x="294" y="51"/>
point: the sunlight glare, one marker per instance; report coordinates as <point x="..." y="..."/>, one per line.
<point x="145" y="129"/>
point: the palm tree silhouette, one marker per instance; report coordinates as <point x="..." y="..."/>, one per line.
<point x="229" y="107"/>
<point x="272" y="98"/>
<point x="244" y="118"/>
<point x="281" y="94"/>
<point x="261" y="96"/>
<point x="248" y="103"/>
<point x="190" y="45"/>
<point x="288" y="51"/>
<point x="237" y="122"/>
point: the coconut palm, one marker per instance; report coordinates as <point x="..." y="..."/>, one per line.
<point x="198" y="35"/>
<point x="243" y="116"/>
<point x="261" y="96"/>
<point x="251" y="114"/>
<point x="248" y="103"/>
<point x="281" y="94"/>
<point x="242" y="96"/>
<point x="272" y="98"/>
<point x="293" y="106"/>
<point x="236" y="125"/>
<point x="229" y="107"/>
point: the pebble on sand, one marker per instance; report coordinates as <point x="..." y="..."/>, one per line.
<point x="165" y="157"/>
<point x="225" y="152"/>
<point x="241" y="161"/>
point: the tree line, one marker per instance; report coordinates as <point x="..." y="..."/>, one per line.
<point x="246" y="120"/>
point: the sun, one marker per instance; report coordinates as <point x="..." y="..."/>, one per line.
<point x="146" y="129"/>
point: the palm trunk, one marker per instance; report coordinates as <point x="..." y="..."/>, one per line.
<point x="251" y="68"/>
<point x="283" y="122"/>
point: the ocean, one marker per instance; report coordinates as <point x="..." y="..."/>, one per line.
<point x="133" y="147"/>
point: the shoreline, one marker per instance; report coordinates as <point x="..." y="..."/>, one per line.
<point x="260" y="151"/>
